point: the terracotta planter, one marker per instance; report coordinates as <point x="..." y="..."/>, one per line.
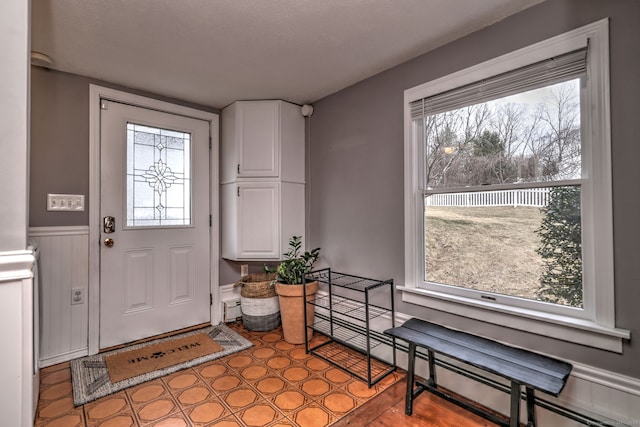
<point x="292" y="310"/>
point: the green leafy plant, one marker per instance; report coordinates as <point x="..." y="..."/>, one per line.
<point x="561" y="248"/>
<point x="296" y="264"/>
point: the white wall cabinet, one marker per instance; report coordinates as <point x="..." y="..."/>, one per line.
<point x="262" y="182"/>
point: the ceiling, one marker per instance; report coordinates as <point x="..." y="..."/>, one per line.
<point x="213" y="52"/>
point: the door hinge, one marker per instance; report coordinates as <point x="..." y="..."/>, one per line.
<point x="210" y="221"/>
<point x="238" y="168"/>
<point x="104" y="105"/>
<point x="238" y="191"/>
<point x="210" y="143"/>
<point x="210" y="299"/>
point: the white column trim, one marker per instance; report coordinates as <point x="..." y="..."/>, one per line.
<point x="16" y="265"/>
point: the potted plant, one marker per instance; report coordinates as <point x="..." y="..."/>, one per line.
<point x="289" y="278"/>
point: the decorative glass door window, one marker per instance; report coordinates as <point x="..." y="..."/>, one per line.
<point x="158" y="177"/>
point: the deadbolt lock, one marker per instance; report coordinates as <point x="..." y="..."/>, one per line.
<point x="108" y="224"/>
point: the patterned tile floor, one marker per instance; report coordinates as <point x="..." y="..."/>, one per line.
<point x="273" y="383"/>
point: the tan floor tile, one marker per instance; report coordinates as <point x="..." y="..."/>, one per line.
<point x="106" y="407"/>
<point x="207" y="412"/>
<point x="56" y="408"/>
<point x="225" y="383"/>
<point x="337" y="376"/>
<point x="272" y="337"/>
<point x="256" y="342"/>
<point x="263" y="354"/>
<point x="193" y="395"/>
<point x="283" y="423"/>
<point x="260" y="414"/>
<point x="270" y="385"/>
<point x="156" y="410"/>
<point x="239" y="361"/>
<point x="284" y="346"/>
<point x="312" y="415"/>
<point x="279" y="362"/>
<point x="339" y="403"/>
<point x="56" y="391"/>
<point x="254" y="372"/>
<point x="240" y="397"/>
<point x="173" y="420"/>
<point x="124" y="419"/>
<point x="316" y="364"/>
<point x="296" y="374"/>
<point x="212" y="370"/>
<point x="53" y="368"/>
<point x="181" y="380"/>
<point x="290" y="400"/>
<point x="360" y="390"/>
<point x="146" y="392"/>
<point x="299" y="354"/>
<point x="389" y="380"/>
<point x="273" y="384"/>
<point x="54" y="377"/>
<point x="316" y="387"/>
<point x="71" y="419"/>
<point x="230" y="421"/>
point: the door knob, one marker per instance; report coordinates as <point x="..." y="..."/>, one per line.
<point x="108" y="242"/>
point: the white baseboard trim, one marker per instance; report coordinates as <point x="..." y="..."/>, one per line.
<point x="63" y="357"/>
<point x="229" y="292"/>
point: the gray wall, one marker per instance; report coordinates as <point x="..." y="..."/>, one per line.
<point x="356" y="167"/>
<point x="60" y="141"/>
<point x="60" y="149"/>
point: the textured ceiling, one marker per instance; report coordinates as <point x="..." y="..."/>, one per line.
<point x="213" y="52"/>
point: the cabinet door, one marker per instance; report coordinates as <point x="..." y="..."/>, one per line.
<point x="258" y="134"/>
<point x="258" y="220"/>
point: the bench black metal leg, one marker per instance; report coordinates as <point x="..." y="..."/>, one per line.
<point x="515" y="405"/>
<point x="408" y="403"/>
<point x="432" y="369"/>
<point x="531" y="407"/>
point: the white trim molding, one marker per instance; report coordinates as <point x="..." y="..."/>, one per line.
<point x="593" y="324"/>
<point x="77" y="230"/>
<point x="96" y="94"/>
<point x="16" y="265"/>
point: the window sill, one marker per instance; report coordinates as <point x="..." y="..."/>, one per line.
<point x="560" y="327"/>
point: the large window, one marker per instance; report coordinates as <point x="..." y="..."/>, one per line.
<point x="508" y="191"/>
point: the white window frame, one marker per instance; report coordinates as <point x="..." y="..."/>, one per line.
<point x="594" y="325"/>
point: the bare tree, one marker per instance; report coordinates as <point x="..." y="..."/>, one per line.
<point x="449" y="138"/>
<point x="560" y="143"/>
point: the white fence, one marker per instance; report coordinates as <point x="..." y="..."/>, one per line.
<point x="535" y="197"/>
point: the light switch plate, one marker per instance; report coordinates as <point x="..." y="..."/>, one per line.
<point x="65" y="202"/>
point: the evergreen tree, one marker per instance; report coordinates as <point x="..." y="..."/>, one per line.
<point x="561" y="248"/>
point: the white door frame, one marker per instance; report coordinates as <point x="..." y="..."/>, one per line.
<point x="95" y="94"/>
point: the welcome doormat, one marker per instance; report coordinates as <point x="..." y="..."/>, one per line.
<point x="91" y="378"/>
<point x="158" y="356"/>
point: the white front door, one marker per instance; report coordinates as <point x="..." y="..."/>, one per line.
<point x="154" y="204"/>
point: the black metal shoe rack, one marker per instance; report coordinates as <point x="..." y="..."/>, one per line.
<point x="350" y="314"/>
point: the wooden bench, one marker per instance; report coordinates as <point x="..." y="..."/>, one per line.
<point x="521" y="367"/>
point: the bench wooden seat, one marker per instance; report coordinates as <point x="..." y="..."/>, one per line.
<point x="521" y="367"/>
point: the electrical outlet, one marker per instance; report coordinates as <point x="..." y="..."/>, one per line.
<point x="77" y="296"/>
<point x="244" y="270"/>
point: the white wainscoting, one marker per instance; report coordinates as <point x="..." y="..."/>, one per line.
<point x="64" y="265"/>
<point x="590" y="391"/>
